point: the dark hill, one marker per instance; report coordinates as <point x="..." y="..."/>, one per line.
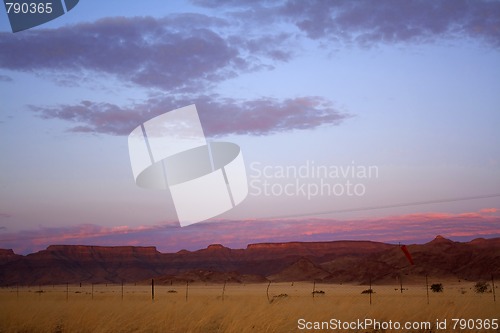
<point x="339" y="261"/>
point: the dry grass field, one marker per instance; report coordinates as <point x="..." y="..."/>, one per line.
<point x="244" y="308"/>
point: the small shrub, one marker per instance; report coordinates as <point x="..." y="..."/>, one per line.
<point x="481" y="287"/>
<point x="278" y="297"/>
<point x="437" y="287"/>
<point x="318" y="292"/>
<point x="172" y="291"/>
<point x="368" y="291"/>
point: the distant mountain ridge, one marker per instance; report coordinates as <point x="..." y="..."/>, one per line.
<point x="336" y="262"/>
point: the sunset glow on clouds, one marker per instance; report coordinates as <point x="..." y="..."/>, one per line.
<point x="413" y="228"/>
<point x="408" y="87"/>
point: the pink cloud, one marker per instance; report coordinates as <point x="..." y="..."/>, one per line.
<point x="488" y="210"/>
<point x="416" y="228"/>
<point x="29" y="240"/>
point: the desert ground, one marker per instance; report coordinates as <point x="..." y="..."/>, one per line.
<point x="278" y="307"/>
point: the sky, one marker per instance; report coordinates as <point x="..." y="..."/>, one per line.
<point x="373" y="120"/>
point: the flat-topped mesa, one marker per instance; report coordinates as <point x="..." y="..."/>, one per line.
<point x="7" y="252"/>
<point x="215" y="251"/>
<point x="486" y="242"/>
<point x="101" y="252"/>
<point x="216" y="247"/>
<point x="270" y="246"/>
<point x="263" y="251"/>
<point x="210" y="254"/>
<point x="324" y="244"/>
<point x="335" y="261"/>
<point x="318" y="248"/>
<point x="7" y="255"/>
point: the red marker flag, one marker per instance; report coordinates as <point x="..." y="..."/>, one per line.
<point x="407" y="253"/>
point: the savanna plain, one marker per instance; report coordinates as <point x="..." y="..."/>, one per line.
<point x="278" y="307"/>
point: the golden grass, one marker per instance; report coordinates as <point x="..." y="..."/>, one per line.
<point x="245" y="308"/>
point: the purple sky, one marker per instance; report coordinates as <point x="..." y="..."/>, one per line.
<point x="409" y="88"/>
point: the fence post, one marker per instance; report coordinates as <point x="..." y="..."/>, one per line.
<point x="223" y="290"/>
<point x="267" y="291"/>
<point x="493" y="288"/>
<point x="427" y="287"/>
<point x="370" y="291"/>
<point x="152" y="290"/>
